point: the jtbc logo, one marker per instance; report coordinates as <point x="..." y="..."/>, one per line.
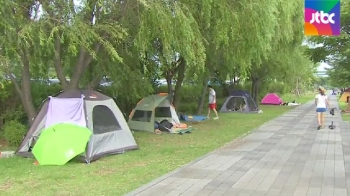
<point x="322" y="18"/>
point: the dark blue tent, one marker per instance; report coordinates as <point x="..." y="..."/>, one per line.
<point x="239" y="101"/>
<point x="240" y="93"/>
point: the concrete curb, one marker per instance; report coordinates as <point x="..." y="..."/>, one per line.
<point x="7" y="154"/>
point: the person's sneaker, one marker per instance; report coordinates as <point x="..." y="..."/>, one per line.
<point x="319" y="127"/>
<point x="215" y="118"/>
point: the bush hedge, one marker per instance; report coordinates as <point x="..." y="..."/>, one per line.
<point x="14" y="132"/>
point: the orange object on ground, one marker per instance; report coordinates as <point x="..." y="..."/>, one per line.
<point x="180" y="125"/>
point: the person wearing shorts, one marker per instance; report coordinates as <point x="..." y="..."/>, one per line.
<point x="321" y="102"/>
<point x="212" y="102"/>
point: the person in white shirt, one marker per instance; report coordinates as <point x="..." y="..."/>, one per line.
<point x="212" y="102"/>
<point x="321" y="102"/>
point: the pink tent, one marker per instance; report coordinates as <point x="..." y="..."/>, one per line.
<point x="271" y="99"/>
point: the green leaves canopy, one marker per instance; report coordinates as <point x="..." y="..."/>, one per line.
<point x="335" y="50"/>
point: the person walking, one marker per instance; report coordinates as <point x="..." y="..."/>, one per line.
<point x="321" y="102"/>
<point x="212" y="102"/>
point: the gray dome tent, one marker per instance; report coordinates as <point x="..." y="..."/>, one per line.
<point x="150" y="109"/>
<point x="235" y="100"/>
<point x="110" y="132"/>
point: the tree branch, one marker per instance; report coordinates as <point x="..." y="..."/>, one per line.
<point x="57" y="62"/>
<point x="14" y="81"/>
<point x="96" y="50"/>
<point x="95" y="81"/>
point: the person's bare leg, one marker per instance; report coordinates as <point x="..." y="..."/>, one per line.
<point x="322" y="120"/>
<point x="208" y="112"/>
<point x="319" y="120"/>
<point x="216" y="113"/>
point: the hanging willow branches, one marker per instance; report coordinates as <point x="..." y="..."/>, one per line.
<point x="134" y="42"/>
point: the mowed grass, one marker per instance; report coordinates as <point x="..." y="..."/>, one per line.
<point x="117" y="175"/>
<point x="342" y="106"/>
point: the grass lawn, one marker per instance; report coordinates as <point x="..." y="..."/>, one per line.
<point x="345" y="116"/>
<point x="117" y="175"/>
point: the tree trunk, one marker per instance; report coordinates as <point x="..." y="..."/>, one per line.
<point x="24" y="90"/>
<point x="180" y="78"/>
<point x="252" y="88"/>
<point x="94" y="83"/>
<point x="84" y="60"/>
<point x="57" y="63"/>
<point x="94" y="78"/>
<point x="1" y="122"/>
<point x="169" y="78"/>
<point x="255" y="88"/>
<point x="256" y="91"/>
<point x="297" y="92"/>
<point x="78" y="71"/>
<point x="26" y="95"/>
<point x="28" y="106"/>
<point x="202" y="97"/>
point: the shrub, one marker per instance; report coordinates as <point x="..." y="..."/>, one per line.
<point x="187" y="107"/>
<point x="190" y="93"/>
<point x="14" y="132"/>
<point x="10" y="104"/>
<point x="41" y="91"/>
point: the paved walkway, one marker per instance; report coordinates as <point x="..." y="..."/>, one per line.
<point x="285" y="157"/>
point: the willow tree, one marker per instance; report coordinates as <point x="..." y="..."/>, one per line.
<point x="64" y="29"/>
<point x="304" y="72"/>
<point x="214" y="19"/>
<point x="232" y="39"/>
<point x="80" y="32"/>
<point x="247" y="39"/>
<point x="287" y="35"/>
<point x="293" y="68"/>
<point x="19" y="31"/>
<point x="169" y="33"/>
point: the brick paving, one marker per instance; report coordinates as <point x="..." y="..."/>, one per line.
<point x="285" y="157"/>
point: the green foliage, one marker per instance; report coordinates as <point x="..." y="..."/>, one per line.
<point x="323" y="81"/>
<point x="124" y="97"/>
<point x="10" y="104"/>
<point x="136" y="42"/>
<point x="335" y="50"/>
<point x="273" y="87"/>
<point x="167" y="29"/>
<point x="41" y="91"/>
<point x="14" y="132"/>
<point x="188" y="93"/>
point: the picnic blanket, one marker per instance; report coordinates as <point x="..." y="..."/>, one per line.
<point x="192" y="118"/>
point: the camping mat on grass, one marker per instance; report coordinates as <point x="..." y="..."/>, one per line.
<point x="181" y="130"/>
<point x="192" y="118"/>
